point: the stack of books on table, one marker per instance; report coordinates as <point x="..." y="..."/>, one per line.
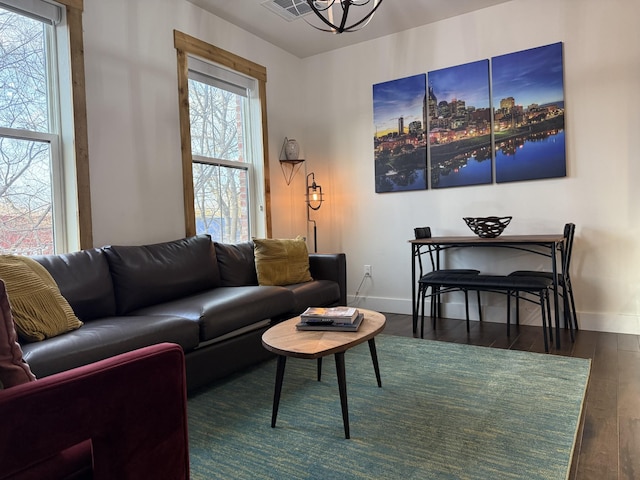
<point x="347" y="319"/>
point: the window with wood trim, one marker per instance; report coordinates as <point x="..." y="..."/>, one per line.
<point x="40" y="200"/>
<point x="223" y="136"/>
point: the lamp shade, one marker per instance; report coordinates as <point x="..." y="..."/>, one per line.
<point x="314" y="195"/>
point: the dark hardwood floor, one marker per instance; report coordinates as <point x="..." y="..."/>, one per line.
<point x="608" y="445"/>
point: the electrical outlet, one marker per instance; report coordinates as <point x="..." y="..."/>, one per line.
<point x="367" y="270"/>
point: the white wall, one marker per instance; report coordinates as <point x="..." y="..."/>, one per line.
<point x="132" y="109"/>
<point x="134" y="142"/>
<point x="600" y="193"/>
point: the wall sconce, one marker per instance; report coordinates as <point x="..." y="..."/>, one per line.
<point x="289" y="161"/>
<point x="314" y="199"/>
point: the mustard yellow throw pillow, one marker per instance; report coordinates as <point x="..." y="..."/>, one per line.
<point x="281" y="261"/>
<point x="39" y="310"/>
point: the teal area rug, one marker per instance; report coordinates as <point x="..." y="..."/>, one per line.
<point x="445" y="411"/>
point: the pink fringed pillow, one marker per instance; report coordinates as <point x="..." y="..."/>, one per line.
<point x="13" y="369"/>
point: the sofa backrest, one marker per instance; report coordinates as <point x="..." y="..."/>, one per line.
<point x="237" y="264"/>
<point x="151" y="274"/>
<point x="84" y="280"/>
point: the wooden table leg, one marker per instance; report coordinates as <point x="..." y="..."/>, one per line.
<point x="374" y="358"/>
<point x="319" y="368"/>
<point x="282" y="360"/>
<point x="342" y="387"/>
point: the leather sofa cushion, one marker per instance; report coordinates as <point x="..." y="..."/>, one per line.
<point x="106" y="337"/>
<point x="237" y="264"/>
<point x="151" y="274"/>
<point x="84" y="280"/>
<point x="227" y="309"/>
<point x="330" y="266"/>
<point x="311" y="294"/>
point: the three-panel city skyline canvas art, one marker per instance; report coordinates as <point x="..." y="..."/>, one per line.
<point x="500" y="120"/>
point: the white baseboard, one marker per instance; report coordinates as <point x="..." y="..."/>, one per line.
<point x="496" y="313"/>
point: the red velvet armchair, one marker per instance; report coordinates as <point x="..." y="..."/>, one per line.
<point x="123" y="417"/>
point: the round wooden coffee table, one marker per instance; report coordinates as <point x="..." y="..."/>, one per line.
<point x="286" y="341"/>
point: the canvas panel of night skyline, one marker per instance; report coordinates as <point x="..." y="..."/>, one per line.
<point x="528" y="102"/>
<point x="459" y="112"/>
<point x="400" y="154"/>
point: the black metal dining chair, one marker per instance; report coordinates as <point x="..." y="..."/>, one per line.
<point x="430" y="279"/>
<point x="563" y="280"/>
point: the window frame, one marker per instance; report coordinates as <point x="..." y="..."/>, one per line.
<point x="69" y="150"/>
<point x="216" y="76"/>
<point x="244" y="167"/>
<point x="74" y="9"/>
<point x="186" y="45"/>
<point x="60" y="235"/>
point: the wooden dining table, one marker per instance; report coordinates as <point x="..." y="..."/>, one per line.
<point x="547" y="245"/>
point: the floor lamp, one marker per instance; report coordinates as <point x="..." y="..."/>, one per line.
<point x="314" y="201"/>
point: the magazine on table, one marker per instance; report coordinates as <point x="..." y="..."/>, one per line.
<point x="330" y="315"/>
<point x="336" y="327"/>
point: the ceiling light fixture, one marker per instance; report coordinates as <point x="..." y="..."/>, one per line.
<point x="333" y="14"/>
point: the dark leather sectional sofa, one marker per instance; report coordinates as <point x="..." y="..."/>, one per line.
<point x="202" y="295"/>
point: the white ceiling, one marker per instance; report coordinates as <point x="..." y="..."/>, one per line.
<point x="302" y="40"/>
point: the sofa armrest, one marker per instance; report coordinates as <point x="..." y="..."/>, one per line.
<point x="132" y="408"/>
<point x="330" y="266"/>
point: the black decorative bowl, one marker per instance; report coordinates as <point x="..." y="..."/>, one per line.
<point x="487" y="227"/>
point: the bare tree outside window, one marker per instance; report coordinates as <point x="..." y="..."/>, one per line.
<point x="26" y="208"/>
<point x="220" y="171"/>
